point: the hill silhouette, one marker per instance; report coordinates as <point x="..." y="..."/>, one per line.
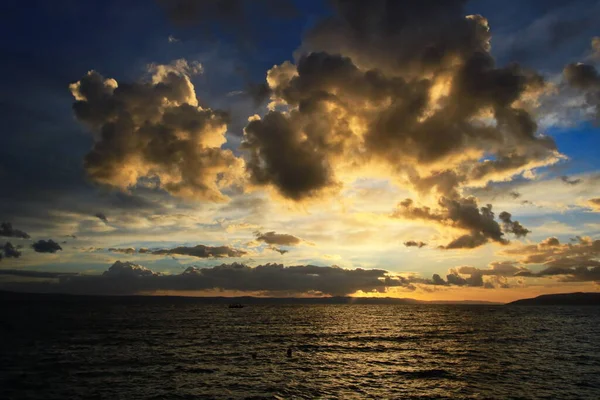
<point x="562" y="299"/>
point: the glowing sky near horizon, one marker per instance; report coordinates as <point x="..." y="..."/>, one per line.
<point x="440" y="150"/>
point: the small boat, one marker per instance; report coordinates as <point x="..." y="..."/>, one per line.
<point x="236" y="305"/>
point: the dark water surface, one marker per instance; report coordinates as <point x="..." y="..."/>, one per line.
<point x="156" y="350"/>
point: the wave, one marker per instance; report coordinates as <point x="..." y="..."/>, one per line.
<point x="427" y="374"/>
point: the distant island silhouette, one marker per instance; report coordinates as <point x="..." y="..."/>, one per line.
<point x="562" y="299"/>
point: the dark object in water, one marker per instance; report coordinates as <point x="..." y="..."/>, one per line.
<point x="289" y="352"/>
<point x="236" y="305"/>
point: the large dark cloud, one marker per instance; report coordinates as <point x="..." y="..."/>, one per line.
<point x="463" y="214"/>
<point x="155" y="129"/>
<point x="407" y="84"/>
<point x="6" y="229"/>
<point x="282" y="157"/>
<point x="46" y="246"/>
<point x="203" y="251"/>
<point x="129" y="278"/>
<point x="279" y="239"/>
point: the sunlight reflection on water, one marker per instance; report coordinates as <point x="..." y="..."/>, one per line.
<point x="339" y="351"/>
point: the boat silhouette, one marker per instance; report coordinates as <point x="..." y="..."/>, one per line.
<point x="236" y="305"/>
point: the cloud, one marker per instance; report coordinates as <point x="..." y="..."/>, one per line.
<point x="155" y="130"/>
<point x="496" y="275"/>
<point x="242" y="19"/>
<point x="595" y="53"/>
<point x="129" y="278"/>
<point x="436" y="279"/>
<point x="127" y="250"/>
<point x="572" y="274"/>
<point x="585" y="78"/>
<point x="7" y="230"/>
<point x="549" y="242"/>
<point x="278" y="250"/>
<point x="9" y="251"/>
<point x="565" y="197"/>
<point x="510" y="226"/>
<point x="582" y="76"/>
<point x="203" y="251"/>
<point x="235" y="11"/>
<point x="258" y="92"/>
<point x="415" y="92"/>
<point x="463" y="214"/>
<point x="514" y="194"/>
<point x="282" y="157"/>
<point x="129" y="201"/>
<point x="475" y="280"/>
<point x="34" y="274"/>
<point x="558" y="30"/>
<point x="43" y="246"/>
<point x="279" y="239"/>
<point x="594" y="204"/>
<point x="497" y="268"/>
<point x="101" y="217"/>
<point x="574" y="262"/>
<point x="127" y="270"/>
<point x="412" y="243"/>
<point x="568" y="181"/>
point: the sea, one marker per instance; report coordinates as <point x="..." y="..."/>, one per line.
<point x="185" y="350"/>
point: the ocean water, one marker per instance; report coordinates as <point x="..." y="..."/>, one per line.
<point x="165" y="350"/>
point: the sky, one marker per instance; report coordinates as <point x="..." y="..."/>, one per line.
<point x="436" y="150"/>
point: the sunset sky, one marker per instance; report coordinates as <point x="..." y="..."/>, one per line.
<point x="437" y="150"/>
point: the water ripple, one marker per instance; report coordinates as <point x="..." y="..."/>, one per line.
<point x="157" y="351"/>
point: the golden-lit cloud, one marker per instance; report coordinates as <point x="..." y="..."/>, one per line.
<point x="594" y="204"/>
<point x="156" y="130"/>
<point x="346" y="105"/>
